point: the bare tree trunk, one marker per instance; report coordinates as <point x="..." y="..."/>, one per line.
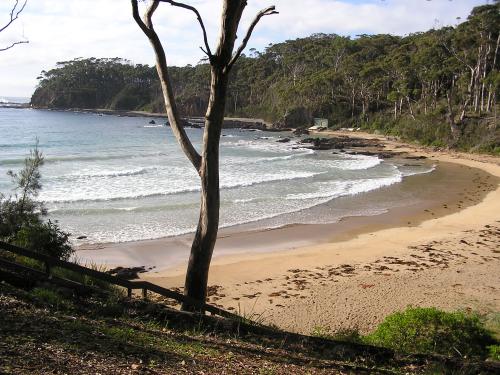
<point x="477" y="70"/>
<point x="410" y="107"/>
<point x="208" y="223"/>
<point x="455" y="130"/>
<point x="206" y="164"/>
<point x="352" y="102"/>
<point x="493" y="67"/>
<point x="424" y="97"/>
<point x="483" y="75"/>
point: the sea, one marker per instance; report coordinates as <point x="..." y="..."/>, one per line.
<point x="115" y="179"/>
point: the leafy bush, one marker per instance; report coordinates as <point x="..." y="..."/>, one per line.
<point x="22" y="216"/>
<point x="46" y="238"/>
<point x="428" y="330"/>
<point x="494" y="352"/>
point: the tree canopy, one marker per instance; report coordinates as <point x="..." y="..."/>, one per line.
<point x="443" y="74"/>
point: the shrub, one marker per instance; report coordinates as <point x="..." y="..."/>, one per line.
<point x="22" y="216"/>
<point x="428" y="330"/>
<point x="494" y="352"/>
<point x="46" y="238"/>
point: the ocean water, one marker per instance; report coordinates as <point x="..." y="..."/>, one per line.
<point x="116" y="179"/>
<point x="13" y="100"/>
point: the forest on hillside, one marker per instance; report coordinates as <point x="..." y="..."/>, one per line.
<point x="439" y="87"/>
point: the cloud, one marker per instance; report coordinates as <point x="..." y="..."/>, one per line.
<point x="62" y="30"/>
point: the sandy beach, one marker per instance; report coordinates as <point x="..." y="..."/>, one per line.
<point x="442" y="251"/>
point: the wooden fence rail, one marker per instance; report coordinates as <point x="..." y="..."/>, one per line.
<point x="50" y="262"/>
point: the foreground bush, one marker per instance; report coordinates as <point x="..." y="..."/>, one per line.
<point x="429" y="330"/>
<point x="46" y="238"/>
<point x="22" y="216"/>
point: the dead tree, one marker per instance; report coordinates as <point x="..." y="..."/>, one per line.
<point x="207" y="164"/>
<point x="14" y="15"/>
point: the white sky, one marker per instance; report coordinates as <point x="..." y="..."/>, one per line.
<point x="60" y="30"/>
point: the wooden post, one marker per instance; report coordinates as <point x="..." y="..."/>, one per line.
<point x="129" y="292"/>
<point x="144" y="293"/>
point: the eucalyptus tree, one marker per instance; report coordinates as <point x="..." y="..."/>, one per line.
<point x="206" y="164"/>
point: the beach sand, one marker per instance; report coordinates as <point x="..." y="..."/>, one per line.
<point x="442" y="251"/>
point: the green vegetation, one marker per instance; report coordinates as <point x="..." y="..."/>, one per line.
<point x="494" y="353"/>
<point x="431" y="331"/>
<point x="438" y="87"/>
<point x="428" y="330"/>
<point x="49" y="297"/>
<point x="75" y="336"/>
<point x="22" y="216"/>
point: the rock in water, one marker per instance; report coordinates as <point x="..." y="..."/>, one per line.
<point x="283" y="140"/>
<point x="300" y="131"/>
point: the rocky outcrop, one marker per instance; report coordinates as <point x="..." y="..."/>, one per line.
<point x="340" y="143"/>
<point x="283" y="140"/>
<point x="247" y="124"/>
<point x="298" y="117"/>
<point x="356" y="146"/>
<point x="128" y="273"/>
<point x="300" y="131"/>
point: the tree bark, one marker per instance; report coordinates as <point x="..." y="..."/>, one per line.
<point x="208" y="223"/>
<point x="206" y="164"/>
<point x="454" y="129"/>
<point x="410" y="107"/>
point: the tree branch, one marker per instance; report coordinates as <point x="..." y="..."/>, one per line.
<point x="207" y="50"/>
<point x="138" y="19"/>
<point x="14" y="15"/>
<point x="264" y="12"/>
<point x="13" y="44"/>
<point x="168" y="95"/>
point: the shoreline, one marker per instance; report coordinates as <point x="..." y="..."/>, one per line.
<point x="449" y="261"/>
<point x="262" y="236"/>
<point x="351" y="274"/>
<point x="168" y="255"/>
<point x="230" y="122"/>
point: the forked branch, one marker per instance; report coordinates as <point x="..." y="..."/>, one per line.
<point x="14" y="15"/>
<point x="146" y="26"/>
<point x="200" y="20"/>
<point x="264" y="12"/>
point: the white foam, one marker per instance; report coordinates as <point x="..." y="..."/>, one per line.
<point x="89" y="173"/>
<point x="424" y="171"/>
<point x="144" y="188"/>
<point x="335" y="189"/>
<point x="243" y="200"/>
<point x="356" y="162"/>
